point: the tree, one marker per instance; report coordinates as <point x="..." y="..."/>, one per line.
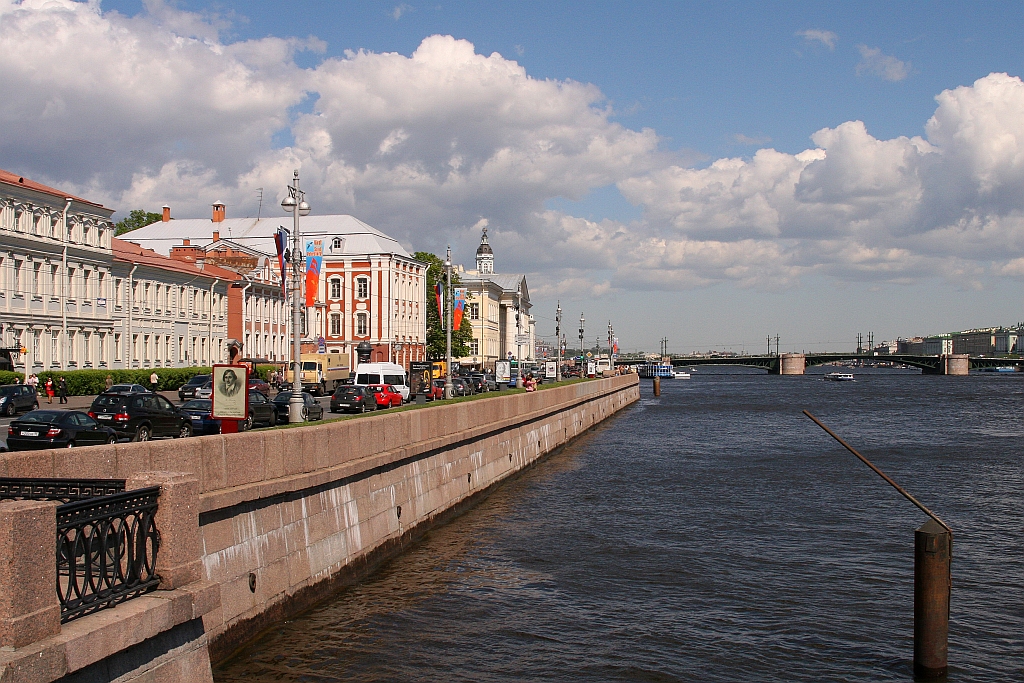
<point x="436" y="341"/>
<point x="138" y="218"/>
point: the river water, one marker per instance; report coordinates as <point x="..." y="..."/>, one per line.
<point x="711" y="534"/>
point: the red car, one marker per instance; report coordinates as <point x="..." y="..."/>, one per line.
<point x="259" y="385"/>
<point x="386" y="395"/>
<point x="436" y="390"/>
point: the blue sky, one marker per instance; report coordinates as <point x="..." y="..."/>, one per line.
<point x="619" y="190"/>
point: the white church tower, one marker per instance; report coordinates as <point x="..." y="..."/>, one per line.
<point x="484" y="256"/>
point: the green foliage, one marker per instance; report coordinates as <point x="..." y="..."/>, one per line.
<point x="436" y="338"/>
<point x="136" y="219"/>
<point x="89" y="382"/>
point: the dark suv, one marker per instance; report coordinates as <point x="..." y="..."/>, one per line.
<point x="15" y="397"/>
<point x="353" y="399"/>
<point x="188" y="389"/>
<point x="140" y="417"/>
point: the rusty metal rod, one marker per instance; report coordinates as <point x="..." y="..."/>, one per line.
<point x="880" y="473"/>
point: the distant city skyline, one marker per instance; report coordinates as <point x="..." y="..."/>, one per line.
<point x="710" y="173"/>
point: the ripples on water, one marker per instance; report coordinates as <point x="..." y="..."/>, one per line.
<point x="711" y="534"/>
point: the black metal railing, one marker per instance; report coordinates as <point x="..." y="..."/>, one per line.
<point x="64" y="490"/>
<point x="106" y="550"/>
<point x="107" y="540"/>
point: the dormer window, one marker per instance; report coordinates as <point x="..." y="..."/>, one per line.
<point x="336" y="244"/>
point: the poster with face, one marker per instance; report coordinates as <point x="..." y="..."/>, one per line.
<point x="229" y="392"/>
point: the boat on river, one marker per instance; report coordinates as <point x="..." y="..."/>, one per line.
<point x="680" y="374"/>
<point x="839" y="377"/>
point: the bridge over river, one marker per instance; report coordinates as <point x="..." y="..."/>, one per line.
<point x="796" y="363"/>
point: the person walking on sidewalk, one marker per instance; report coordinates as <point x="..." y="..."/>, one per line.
<point x="154" y="379"/>
<point x="108" y="382"/>
<point x="49" y="389"/>
<point x="62" y="390"/>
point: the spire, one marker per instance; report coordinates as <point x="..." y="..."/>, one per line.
<point x="484" y="255"/>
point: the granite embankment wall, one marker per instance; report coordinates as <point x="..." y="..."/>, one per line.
<point x="262" y="524"/>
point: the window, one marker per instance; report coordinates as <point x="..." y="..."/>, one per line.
<point x="335" y="324"/>
<point x="336" y="244"/>
<point x="71" y="347"/>
<point x="362" y="324"/>
<point x="362" y="288"/>
<point x="35" y="346"/>
<point x="117" y="291"/>
<point x="474" y="312"/>
<point x="86" y="347"/>
<point x="17" y="279"/>
<point x="55" y="348"/>
<point x="36" y="279"/>
<point x="86" y="294"/>
<point x="335" y="288"/>
<point x="474" y="347"/>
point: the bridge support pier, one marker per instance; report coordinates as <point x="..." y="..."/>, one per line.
<point x="956" y="364"/>
<point x="792" y="364"/>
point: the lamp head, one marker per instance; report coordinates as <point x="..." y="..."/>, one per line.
<point x="288" y="203"/>
<point x="303" y="208"/>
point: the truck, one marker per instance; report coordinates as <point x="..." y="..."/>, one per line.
<point x="324" y="372"/>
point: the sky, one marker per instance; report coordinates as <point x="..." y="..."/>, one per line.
<point x="711" y="173"/>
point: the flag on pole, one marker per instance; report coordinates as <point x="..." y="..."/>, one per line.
<point x="459" y="308"/>
<point x="281" y="241"/>
<point x="314" y="260"/>
<point x="440" y="305"/>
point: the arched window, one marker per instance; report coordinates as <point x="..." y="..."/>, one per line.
<point x="336" y="244"/>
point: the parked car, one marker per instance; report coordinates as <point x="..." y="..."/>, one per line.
<point x="127" y="389"/>
<point x="353" y="399"/>
<point x="436" y="390"/>
<point x="205" y="391"/>
<point x="56" y="429"/>
<point x="17" y="397"/>
<point x="386" y="395"/>
<point x="311" y="410"/>
<point x="198" y="410"/>
<point x="261" y="410"/>
<point x="188" y="389"/>
<point x="476" y="383"/>
<point x="461" y="386"/>
<point x="492" y="385"/>
<point x="140" y="417"/>
<point x="259" y="385"/>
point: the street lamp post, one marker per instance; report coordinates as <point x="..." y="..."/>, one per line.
<point x="558" y="340"/>
<point x="583" y="362"/>
<point x="519" y="347"/>
<point x="611" y="333"/>
<point x="295" y="203"/>
<point x="449" y="388"/>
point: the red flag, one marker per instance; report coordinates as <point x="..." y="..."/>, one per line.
<point x="440" y="307"/>
<point x="460" y="306"/>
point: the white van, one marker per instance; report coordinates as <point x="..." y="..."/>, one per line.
<point x="383" y="373"/>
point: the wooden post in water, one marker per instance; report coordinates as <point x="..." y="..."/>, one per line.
<point x="932" y="555"/>
<point x="657" y="386"/>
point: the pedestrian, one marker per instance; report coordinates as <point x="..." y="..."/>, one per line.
<point x="530" y="384"/>
<point x="108" y="382"/>
<point x="153" y="380"/>
<point x="49" y="389"/>
<point x="62" y="389"/>
<point x="32" y="381"/>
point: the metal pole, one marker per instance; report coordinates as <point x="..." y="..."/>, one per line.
<point x="449" y="388"/>
<point x="519" y="347"/>
<point x="583" y="361"/>
<point x="558" y="340"/>
<point x="295" y="402"/>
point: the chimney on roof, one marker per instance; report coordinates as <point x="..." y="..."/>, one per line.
<point x="216" y="233"/>
<point x="167" y="214"/>
<point x="218" y="212"/>
<point x="185" y="242"/>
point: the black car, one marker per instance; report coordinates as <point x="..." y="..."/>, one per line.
<point x="352" y="400"/>
<point x="476" y="383"/>
<point x="140" y="417"/>
<point x="56" y="429"/>
<point x="311" y="410"/>
<point x="461" y="386"/>
<point x="188" y="389"/>
<point x="261" y="410"/>
<point x="198" y="410"/>
<point x="17" y="397"/>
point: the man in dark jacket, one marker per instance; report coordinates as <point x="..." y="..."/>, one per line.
<point x="62" y="389"/>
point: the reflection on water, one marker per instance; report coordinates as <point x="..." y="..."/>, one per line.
<point x="714" y="534"/>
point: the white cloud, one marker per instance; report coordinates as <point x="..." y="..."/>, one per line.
<point x="826" y="38"/>
<point x="138" y="112"/>
<point x="873" y="61"/>
<point x="401" y="9"/>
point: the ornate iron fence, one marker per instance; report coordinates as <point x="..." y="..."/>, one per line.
<point x="64" y="490"/>
<point x="106" y="550"/>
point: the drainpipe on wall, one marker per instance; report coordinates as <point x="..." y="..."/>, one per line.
<point x="63" y="287"/>
<point x="215" y="281"/>
<point x="131" y="303"/>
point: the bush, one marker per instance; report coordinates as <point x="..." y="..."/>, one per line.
<point x="89" y="382"/>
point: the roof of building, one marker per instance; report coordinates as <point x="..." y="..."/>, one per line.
<point x="357" y="236"/>
<point x="484" y="247"/>
<point x="8" y="178"/>
<point x="130" y="252"/>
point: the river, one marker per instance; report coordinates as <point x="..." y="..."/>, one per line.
<point x="711" y="534"/>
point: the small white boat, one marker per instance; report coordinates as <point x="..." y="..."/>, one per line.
<point x="680" y="374"/>
<point x="839" y="377"/>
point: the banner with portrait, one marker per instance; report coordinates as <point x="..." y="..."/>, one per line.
<point x="314" y="262"/>
<point x="230" y="392"/>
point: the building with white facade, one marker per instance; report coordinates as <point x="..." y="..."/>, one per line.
<point x="55" y="277"/>
<point x="369" y="288"/>
<point x="498" y="308"/>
